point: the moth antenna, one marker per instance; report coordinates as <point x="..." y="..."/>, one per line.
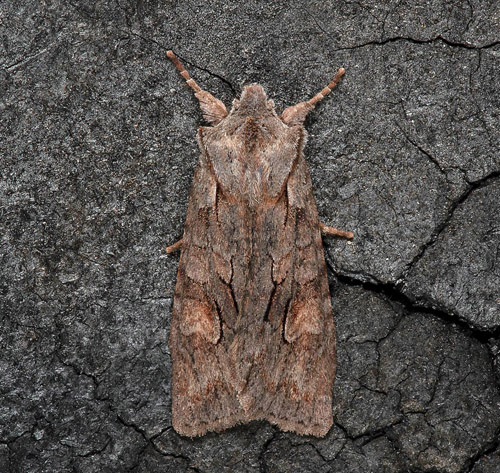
<point x="213" y="109"/>
<point x="296" y="114"/>
<point x="321" y="95"/>
<point x="184" y="73"/>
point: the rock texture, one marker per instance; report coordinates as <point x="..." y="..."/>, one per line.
<point x="97" y="150"/>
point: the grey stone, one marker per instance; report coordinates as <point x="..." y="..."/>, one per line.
<point x="237" y="449"/>
<point x="302" y="457"/>
<point x="368" y="456"/>
<point x="449" y="399"/>
<point x="424" y="384"/>
<point x="460" y="273"/>
<point x="489" y="463"/>
<point x="152" y="461"/>
<point x="393" y="167"/>
<point x="97" y="151"/>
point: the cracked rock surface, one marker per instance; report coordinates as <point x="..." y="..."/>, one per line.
<point x="97" y="151"/>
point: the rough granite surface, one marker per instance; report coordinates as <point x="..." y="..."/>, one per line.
<point x="97" y="151"/>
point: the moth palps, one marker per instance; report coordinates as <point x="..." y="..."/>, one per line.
<point x="252" y="334"/>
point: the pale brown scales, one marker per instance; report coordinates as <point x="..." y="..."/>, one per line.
<point x="252" y="334"/>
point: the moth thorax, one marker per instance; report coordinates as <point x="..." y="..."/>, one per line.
<point x="251" y="134"/>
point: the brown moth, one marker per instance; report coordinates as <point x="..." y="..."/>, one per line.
<point x="252" y="335"/>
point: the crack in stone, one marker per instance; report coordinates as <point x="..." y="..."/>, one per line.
<point x="79" y="372"/>
<point x="318" y="24"/>
<point x="265" y="447"/>
<point x="368" y="436"/>
<point x="60" y="37"/>
<point x="150" y="441"/>
<point x="474" y="185"/>
<point x="436" y="39"/>
<point x="392" y="293"/>
<point x="25" y="60"/>
<point x="162" y="46"/>
<point x="490" y="448"/>
<point x="17" y="437"/>
<point x="394" y="296"/>
<point x="186" y="61"/>
<point x="471" y="17"/>
<point x="94" y="452"/>
<point x="472" y="92"/>
<point x="422" y="150"/>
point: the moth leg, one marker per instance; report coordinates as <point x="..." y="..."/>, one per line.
<point x="176" y="246"/>
<point x="296" y="114"/>
<point x="213" y="109"/>
<point x="325" y="230"/>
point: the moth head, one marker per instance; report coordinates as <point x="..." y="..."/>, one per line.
<point x="253" y="102"/>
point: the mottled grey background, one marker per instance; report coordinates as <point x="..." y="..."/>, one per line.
<point x="97" y="150"/>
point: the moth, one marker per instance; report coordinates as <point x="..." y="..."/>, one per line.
<point x="252" y="335"/>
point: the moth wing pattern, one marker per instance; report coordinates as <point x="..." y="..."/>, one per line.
<point x="252" y="334"/>
<point x="298" y="388"/>
<point x="202" y="395"/>
<point x="291" y="354"/>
